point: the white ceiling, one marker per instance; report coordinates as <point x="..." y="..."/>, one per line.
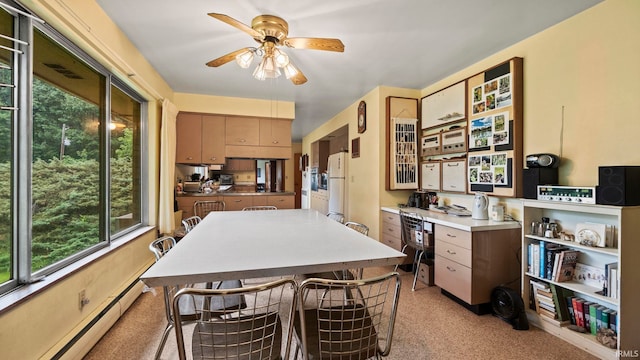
<point x="400" y="43"/>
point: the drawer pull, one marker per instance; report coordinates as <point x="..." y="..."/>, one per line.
<point x="451" y="252"/>
<point x="237" y="201"/>
<point x="451" y="269"/>
<point x="451" y="236"/>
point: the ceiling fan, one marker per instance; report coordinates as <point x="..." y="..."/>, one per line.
<point x="271" y="32"/>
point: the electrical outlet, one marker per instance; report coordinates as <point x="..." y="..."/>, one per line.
<point x="82" y="299"/>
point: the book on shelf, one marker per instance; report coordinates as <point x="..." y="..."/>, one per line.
<point x="542" y="259"/>
<point x="611" y="272"/>
<point x="593" y="318"/>
<point x="577" y="310"/>
<point x="566" y="265"/>
<point x="589" y="275"/>
<point x="572" y="314"/>
<point x="560" y="295"/>
<point x="550" y="252"/>
<point x="547" y="313"/>
<point x="587" y="314"/>
<point x="536" y="259"/>
<point x="613" y="321"/>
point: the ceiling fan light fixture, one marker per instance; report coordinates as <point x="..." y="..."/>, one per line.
<point x="267" y="69"/>
<point x="281" y="58"/>
<point x="290" y="70"/>
<point x="244" y="59"/>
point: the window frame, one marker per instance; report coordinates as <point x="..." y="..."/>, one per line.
<point x="22" y="153"/>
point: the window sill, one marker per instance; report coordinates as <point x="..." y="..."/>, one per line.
<point x="23" y="292"/>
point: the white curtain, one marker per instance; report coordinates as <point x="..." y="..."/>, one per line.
<point x="166" y="223"/>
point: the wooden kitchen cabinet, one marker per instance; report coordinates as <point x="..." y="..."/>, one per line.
<point x="240" y="164"/>
<point x="391" y="234"/>
<point x="189" y="138"/>
<point x="320" y="155"/>
<point x="242" y="131"/>
<point x="275" y="132"/>
<point x="281" y="201"/>
<point x="444" y="106"/>
<point x="213" y="139"/>
<point x="235" y="203"/>
<point x="470" y="264"/>
<point x="454" y="175"/>
<point x="185" y="203"/>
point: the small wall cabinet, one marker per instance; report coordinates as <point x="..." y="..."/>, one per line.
<point x="444" y="106"/>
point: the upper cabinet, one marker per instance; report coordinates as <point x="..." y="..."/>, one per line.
<point x="320" y="154"/>
<point x="213" y="139"/>
<point x="242" y="131"/>
<point x="188" y="138"/>
<point x="275" y="132"/>
<point x="445" y="106"/>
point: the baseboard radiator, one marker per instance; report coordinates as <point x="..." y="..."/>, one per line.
<point x="77" y="347"/>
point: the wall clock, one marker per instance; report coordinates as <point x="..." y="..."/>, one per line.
<point x="362" y="117"/>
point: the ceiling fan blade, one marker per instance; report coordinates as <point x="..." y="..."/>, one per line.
<point x="226" y="58"/>
<point x="315" y="44"/>
<point x="237" y="24"/>
<point x="299" y="78"/>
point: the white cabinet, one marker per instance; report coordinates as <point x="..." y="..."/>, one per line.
<point x="626" y="221"/>
<point x="431" y="176"/>
<point x="445" y="106"/>
<point x="454" y="176"/>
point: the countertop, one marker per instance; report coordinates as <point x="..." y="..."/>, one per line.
<point x="465" y="223"/>
<point x="238" y="193"/>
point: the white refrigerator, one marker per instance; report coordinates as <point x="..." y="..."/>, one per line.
<point x="337" y="169"/>
<point x="305" y="196"/>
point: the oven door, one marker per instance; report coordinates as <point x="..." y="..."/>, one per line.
<point x="314" y="179"/>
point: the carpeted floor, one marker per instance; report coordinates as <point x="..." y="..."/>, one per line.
<point x="428" y="326"/>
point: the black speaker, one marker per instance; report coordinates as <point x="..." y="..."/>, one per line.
<point x="533" y="177"/>
<point x="618" y="185"/>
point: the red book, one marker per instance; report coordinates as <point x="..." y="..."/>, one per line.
<point x="577" y="310"/>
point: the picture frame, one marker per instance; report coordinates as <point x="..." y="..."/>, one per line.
<point x="355" y="148"/>
<point x="362" y="117"/>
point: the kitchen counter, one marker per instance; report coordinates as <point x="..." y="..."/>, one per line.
<point x="237" y="193"/>
<point x="465" y="223"/>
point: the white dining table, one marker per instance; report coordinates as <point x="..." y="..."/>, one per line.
<point x="230" y="245"/>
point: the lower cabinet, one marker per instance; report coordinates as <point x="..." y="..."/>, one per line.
<point x="234" y="203"/>
<point x="320" y="201"/>
<point x="391" y="234"/>
<point x="281" y="202"/>
<point x="237" y="202"/>
<point x="185" y="203"/>
<point x="469" y="265"/>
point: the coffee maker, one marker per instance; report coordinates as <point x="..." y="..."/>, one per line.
<point x="416" y="199"/>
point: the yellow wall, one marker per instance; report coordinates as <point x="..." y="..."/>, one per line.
<point x="587" y="64"/>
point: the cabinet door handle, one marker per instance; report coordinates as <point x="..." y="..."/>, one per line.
<point x="242" y="140"/>
<point x="189" y="158"/>
<point x="213" y="158"/>
<point x="451" y="252"/>
<point x="451" y="269"/>
<point x="451" y="236"/>
<point x="237" y="201"/>
<point x="450" y="165"/>
<point x="274" y="141"/>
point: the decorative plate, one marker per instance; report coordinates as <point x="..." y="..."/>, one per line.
<point x="588" y="237"/>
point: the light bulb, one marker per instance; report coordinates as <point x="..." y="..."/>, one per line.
<point x="244" y="59"/>
<point x="281" y="58"/>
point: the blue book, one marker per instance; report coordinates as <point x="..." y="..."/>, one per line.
<point x="543" y="260"/>
<point x="530" y="259"/>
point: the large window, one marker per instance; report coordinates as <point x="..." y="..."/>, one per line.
<point x="79" y="128"/>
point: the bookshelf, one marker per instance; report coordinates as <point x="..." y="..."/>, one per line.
<point x="626" y="222"/>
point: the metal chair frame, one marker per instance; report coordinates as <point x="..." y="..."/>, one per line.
<point x="202" y="208"/>
<point x="339" y="217"/>
<point x="254" y="332"/>
<point x="358" y="327"/>
<point x="191" y="222"/>
<point x="261" y="207"/>
<point x="411" y="226"/>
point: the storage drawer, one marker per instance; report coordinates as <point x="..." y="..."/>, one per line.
<point x="453" y="236"/>
<point x="281" y="201"/>
<point x="390" y="218"/>
<point x="454" y="252"/>
<point x="454" y="278"/>
<point x="391" y="229"/>
<point x="233" y="203"/>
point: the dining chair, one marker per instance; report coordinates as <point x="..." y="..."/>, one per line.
<point x="414" y="236"/>
<point x="188" y="306"/>
<point x="255" y="332"/>
<point x="360" y="328"/>
<point x="202" y="208"/>
<point x="261" y="207"/>
<point x="190" y="222"/>
<point x="339" y="217"/>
